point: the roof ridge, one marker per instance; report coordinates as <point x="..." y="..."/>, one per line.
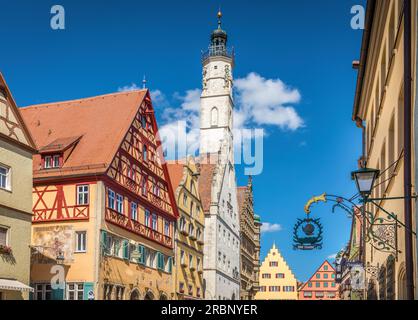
<point x="106" y="95"/>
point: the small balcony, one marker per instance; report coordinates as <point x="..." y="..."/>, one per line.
<point x="218" y="51"/>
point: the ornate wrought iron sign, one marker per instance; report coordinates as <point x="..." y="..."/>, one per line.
<point x="307" y="234"/>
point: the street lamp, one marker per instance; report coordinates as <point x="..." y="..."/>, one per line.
<point x="365" y="179"/>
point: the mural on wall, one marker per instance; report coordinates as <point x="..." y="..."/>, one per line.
<point x="51" y="242"/>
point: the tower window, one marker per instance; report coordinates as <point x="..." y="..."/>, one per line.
<point x="214" y="117"/>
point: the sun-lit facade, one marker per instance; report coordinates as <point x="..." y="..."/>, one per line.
<point x="276" y="279"/>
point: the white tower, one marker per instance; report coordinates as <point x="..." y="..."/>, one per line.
<point x="216" y="104"/>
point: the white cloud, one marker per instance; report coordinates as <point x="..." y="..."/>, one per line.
<point x="268" y="227"/>
<point x="259" y="102"/>
<point x="332" y="256"/>
<point x="267" y="102"/>
<point x="159" y="99"/>
<point x="131" y="87"/>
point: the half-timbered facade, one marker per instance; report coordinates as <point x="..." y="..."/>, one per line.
<point x="103" y="203"/>
<point x="16" y="149"/>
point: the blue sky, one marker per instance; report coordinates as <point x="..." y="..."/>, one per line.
<point x="308" y="45"/>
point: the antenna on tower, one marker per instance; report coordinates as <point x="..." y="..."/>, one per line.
<point x="144" y="82"/>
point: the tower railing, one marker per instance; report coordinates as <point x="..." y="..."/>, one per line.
<point x="218" y="51"/>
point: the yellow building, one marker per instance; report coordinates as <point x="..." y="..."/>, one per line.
<point x="379" y="109"/>
<point x="188" y="267"/>
<point x="103" y="207"/>
<point x="16" y="149"/>
<point x="277" y="281"/>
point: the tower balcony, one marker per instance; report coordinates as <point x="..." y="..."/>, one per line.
<point x="218" y="51"/>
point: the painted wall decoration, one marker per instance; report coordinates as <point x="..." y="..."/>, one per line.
<point x="49" y="242"/>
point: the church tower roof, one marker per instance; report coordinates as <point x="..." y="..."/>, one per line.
<point x="218" y="42"/>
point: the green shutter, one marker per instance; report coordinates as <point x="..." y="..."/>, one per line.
<point x="88" y="288"/>
<point x="57" y="294"/>
<point x="160" y="260"/>
<point x="125" y="244"/>
<point x="141" y="250"/>
<point x="104" y="243"/>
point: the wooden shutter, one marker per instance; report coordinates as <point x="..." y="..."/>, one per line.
<point x="57" y="294"/>
<point x="125" y="244"/>
<point x="88" y="287"/>
<point x="141" y="250"/>
<point x="104" y="243"/>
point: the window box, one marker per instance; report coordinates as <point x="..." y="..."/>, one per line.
<point x="6" y="250"/>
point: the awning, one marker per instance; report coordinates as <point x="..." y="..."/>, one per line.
<point x="14" y="285"/>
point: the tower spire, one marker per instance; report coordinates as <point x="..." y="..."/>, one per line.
<point x="219" y="18"/>
<point x="144" y="82"/>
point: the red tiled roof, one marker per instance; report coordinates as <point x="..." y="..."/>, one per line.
<point x="205" y="184"/>
<point x="100" y="121"/>
<point x="175" y="171"/>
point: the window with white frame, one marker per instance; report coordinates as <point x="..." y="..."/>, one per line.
<point x="191" y="230"/>
<point x="144" y="153"/>
<point x="182" y="257"/>
<point x="75" y="291"/>
<point x="81" y="241"/>
<point x="167" y="228"/>
<point x="182" y="224"/>
<point x="56" y="161"/>
<point x="111" y="199"/>
<point x="147" y="218"/>
<point x="154" y="221"/>
<point x="3" y="236"/>
<point x="82" y="195"/>
<point x="43" y="291"/>
<point x="48" y="162"/>
<point x="119" y="203"/>
<point x="134" y="211"/>
<point x="5" y="177"/>
<point x="144" y="186"/>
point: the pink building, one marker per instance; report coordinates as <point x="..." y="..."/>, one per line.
<point x="321" y="286"/>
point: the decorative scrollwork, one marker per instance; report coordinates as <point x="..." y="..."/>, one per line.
<point x="308" y="234"/>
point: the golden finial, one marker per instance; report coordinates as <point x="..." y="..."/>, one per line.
<point x="219" y="18"/>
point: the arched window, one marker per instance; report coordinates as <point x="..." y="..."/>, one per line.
<point x="135" y="295"/>
<point x="390" y="278"/>
<point x="402" y="283"/>
<point x="371" y="291"/>
<point x="382" y="283"/>
<point x="214" y="117"/>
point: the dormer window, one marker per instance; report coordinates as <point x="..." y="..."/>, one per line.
<point x="52" y="161"/>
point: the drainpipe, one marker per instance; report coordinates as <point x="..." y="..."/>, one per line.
<point x="416" y="129"/>
<point x="409" y="254"/>
<point x="362" y="164"/>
